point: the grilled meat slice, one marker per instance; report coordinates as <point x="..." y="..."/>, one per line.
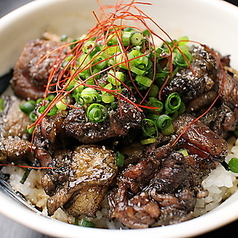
<point x="199" y="139"/>
<point x="13" y="121"/>
<point x="33" y="68"/>
<point x="14" y="144"/>
<point x="77" y="173"/>
<point x="14" y="148"/>
<point x="119" y="122"/>
<point x="191" y="84"/>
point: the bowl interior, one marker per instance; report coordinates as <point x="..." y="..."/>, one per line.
<point x="211" y="22"/>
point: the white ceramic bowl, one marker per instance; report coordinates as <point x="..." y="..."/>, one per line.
<point x="212" y="22"/>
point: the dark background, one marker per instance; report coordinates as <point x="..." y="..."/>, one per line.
<point x="10" y="229"/>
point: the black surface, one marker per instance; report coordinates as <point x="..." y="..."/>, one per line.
<point x="12" y="229"/>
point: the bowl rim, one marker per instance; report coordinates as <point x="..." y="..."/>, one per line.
<point x="75" y="231"/>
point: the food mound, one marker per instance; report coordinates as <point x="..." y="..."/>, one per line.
<point x="110" y="120"/>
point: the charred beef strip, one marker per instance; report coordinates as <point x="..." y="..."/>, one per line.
<point x="80" y="179"/>
<point x="191" y="84"/>
<point x="32" y="71"/>
<point x="13" y="121"/>
<point x="200" y="139"/>
<point x="119" y="122"/>
<point x="14" y="142"/>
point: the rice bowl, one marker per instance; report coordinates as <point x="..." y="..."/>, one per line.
<point x="59" y="25"/>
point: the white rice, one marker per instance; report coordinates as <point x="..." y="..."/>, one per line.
<point x="220" y="184"/>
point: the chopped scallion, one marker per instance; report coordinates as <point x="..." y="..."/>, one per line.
<point x="28" y="107"/>
<point x="144" y="81"/>
<point x="233" y="165"/>
<point x="120" y="159"/>
<point x="172" y="103"/>
<point x="168" y="131"/>
<point x="136" y="38"/>
<point x="96" y="112"/>
<point x="89" y="95"/>
<point x="164" y="121"/>
<point x="86" y="223"/>
<point x="61" y="105"/>
<point x="53" y="111"/>
<point x="1" y="104"/>
<point x="149" y="128"/>
<point x="148" y="141"/>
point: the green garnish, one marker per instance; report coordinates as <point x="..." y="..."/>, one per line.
<point x="28" y="107"/>
<point x="172" y="103"/>
<point x="233" y="165"/>
<point x="86" y="223"/>
<point x="96" y="112"/>
<point x="120" y="159"/>
<point x="1" y="104"/>
<point x="164" y="121"/>
<point x="25" y="176"/>
<point x="149" y="128"/>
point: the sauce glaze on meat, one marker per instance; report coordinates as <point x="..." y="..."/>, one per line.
<point x="157" y="185"/>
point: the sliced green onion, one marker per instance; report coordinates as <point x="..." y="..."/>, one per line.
<point x="148" y="141"/>
<point x="32" y="116"/>
<point x="107" y="98"/>
<point x="61" y="105"/>
<point x="183" y="40"/>
<point x="41" y="109"/>
<point x="183" y="59"/>
<point x="168" y="131"/>
<point x="154" y="89"/>
<point x="100" y="62"/>
<point x="30" y="130"/>
<point x="89" y="95"/>
<point x="137" y="71"/>
<point x="112" y="40"/>
<point x="28" y="107"/>
<point x="1" y="104"/>
<point x="90" y="47"/>
<point x="163" y="121"/>
<point x="126" y="38"/>
<point x="39" y="100"/>
<point x="156" y="103"/>
<point x="120" y="159"/>
<point x="115" y="78"/>
<point x="136" y="38"/>
<point x="146" y="33"/>
<point x="233" y="165"/>
<point x="76" y="221"/>
<point x="141" y="63"/>
<point x="86" y="223"/>
<point x="184" y="152"/>
<point x="114" y="105"/>
<point x="84" y="61"/>
<point x="149" y="128"/>
<point x="134" y="54"/>
<point x="25" y="176"/>
<point x="142" y="80"/>
<point x="111" y="50"/>
<point x="182" y="108"/>
<point x="50" y="97"/>
<point x="172" y="103"/>
<point x="96" y="112"/>
<point x="53" y="111"/>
